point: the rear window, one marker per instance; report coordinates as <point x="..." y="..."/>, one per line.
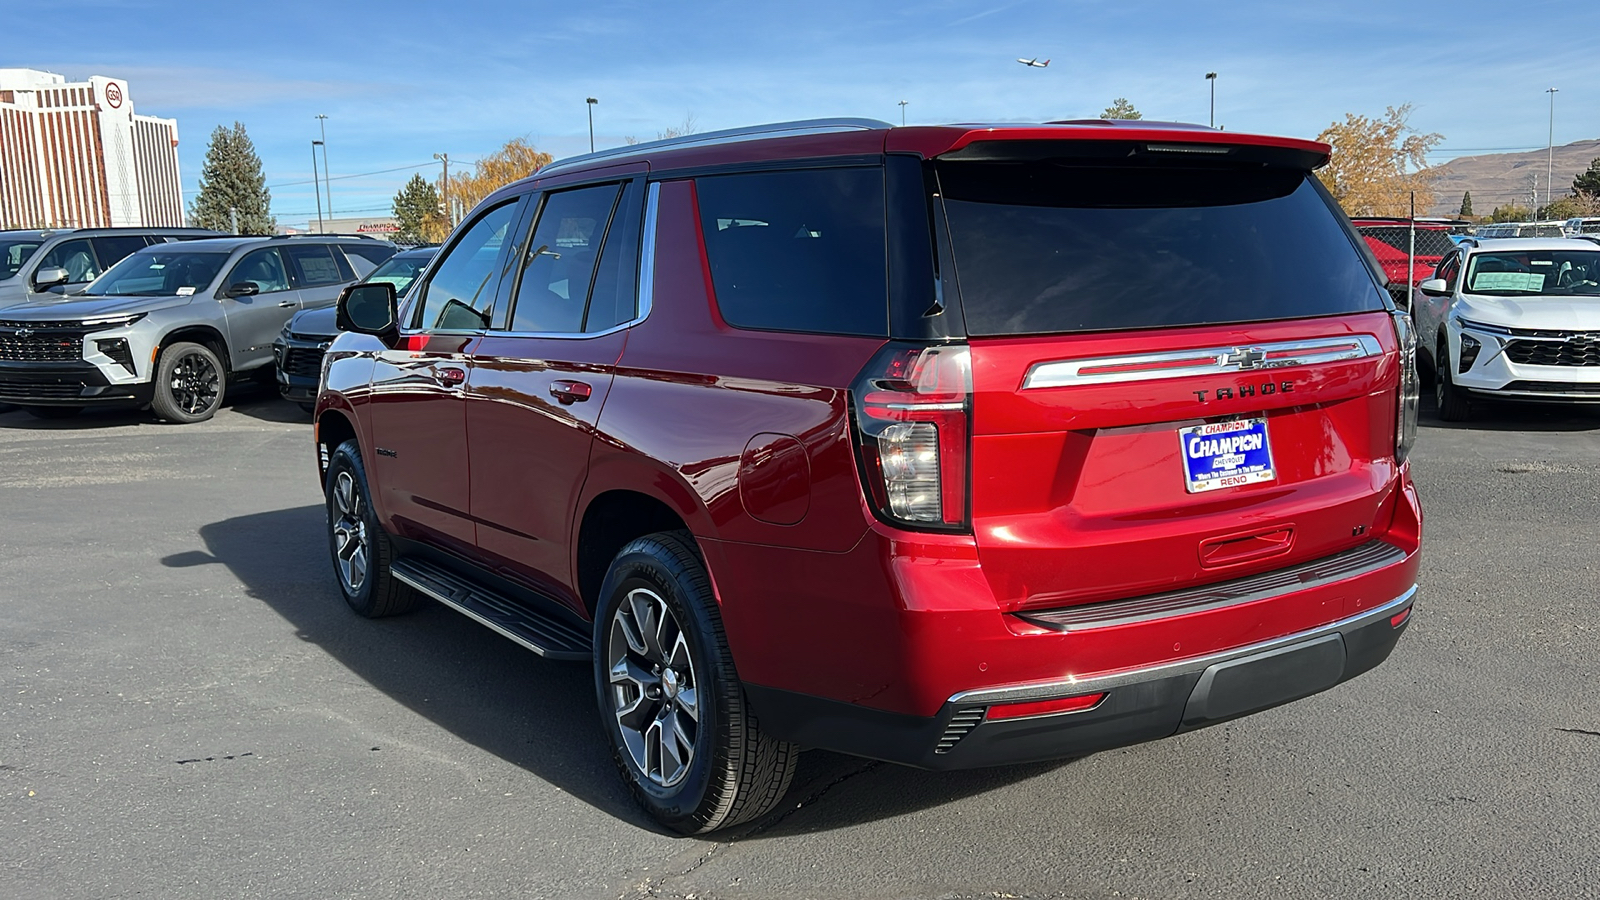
<point x="798" y="251"/>
<point x="1049" y="247"/>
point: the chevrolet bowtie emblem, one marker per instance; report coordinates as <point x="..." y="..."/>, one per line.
<point x="24" y="332"/>
<point x="1245" y="358"/>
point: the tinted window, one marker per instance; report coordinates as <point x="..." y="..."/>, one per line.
<point x="13" y="254"/>
<point x="353" y="265"/>
<point x="798" y="251"/>
<point x="264" y="267"/>
<point x="461" y="290"/>
<point x="111" y="250"/>
<point x="313" y="264"/>
<point x="160" y="272"/>
<point x="400" y="271"/>
<point x="372" y="252"/>
<point x="615" y="298"/>
<point x="75" y="257"/>
<point x="554" y="289"/>
<point x="1051" y="247"/>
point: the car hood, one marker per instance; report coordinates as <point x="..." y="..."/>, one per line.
<point x="1543" y="313"/>
<point x="66" y="309"/>
<point x="315" y="323"/>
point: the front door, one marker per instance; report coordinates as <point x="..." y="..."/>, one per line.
<point x="254" y="320"/>
<point x="418" y="460"/>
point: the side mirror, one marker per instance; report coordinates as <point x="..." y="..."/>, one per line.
<point x="243" y="289"/>
<point x="50" y="276"/>
<point x="1434" y="287"/>
<point x="369" y="308"/>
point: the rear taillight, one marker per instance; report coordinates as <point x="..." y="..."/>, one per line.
<point x="1405" y="433"/>
<point x="912" y="409"/>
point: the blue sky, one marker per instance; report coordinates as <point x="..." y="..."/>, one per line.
<point x="400" y="80"/>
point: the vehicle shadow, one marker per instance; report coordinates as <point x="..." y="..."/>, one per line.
<point x="250" y="398"/>
<point x="1504" y="415"/>
<point x="533" y="713"/>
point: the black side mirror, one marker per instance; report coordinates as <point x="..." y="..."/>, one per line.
<point x="50" y="276"/>
<point x="243" y="289"/>
<point x="369" y="308"/>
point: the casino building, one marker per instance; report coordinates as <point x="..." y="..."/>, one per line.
<point x="74" y="155"/>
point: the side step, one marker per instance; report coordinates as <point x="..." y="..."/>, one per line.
<point x="544" y="634"/>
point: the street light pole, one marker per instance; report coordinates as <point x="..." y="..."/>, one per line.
<point x="903" y="113"/>
<point x="327" y="180"/>
<point x="1212" y="77"/>
<point x="590" y="102"/>
<point x="1550" y="151"/>
<point x="449" y="214"/>
<point x="315" y="189"/>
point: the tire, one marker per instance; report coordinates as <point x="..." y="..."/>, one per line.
<point x="1454" y="404"/>
<point x="53" y="412"/>
<point x="728" y="771"/>
<point x="189" y="384"/>
<point x="358" y="547"/>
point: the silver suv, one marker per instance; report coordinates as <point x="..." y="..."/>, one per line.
<point x="170" y="325"/>
<point x="38" y="264"/>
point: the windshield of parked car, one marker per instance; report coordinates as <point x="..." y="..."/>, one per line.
<point x="1059" y="247"/>
<point x="159" y="273"/>
<point x="400" y="272"/>
<point x="1534" y="273"/>
<point x="13" y="254"/>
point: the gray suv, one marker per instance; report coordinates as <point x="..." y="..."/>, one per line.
<point x="38" y="264"/>
<point x="171" y="324"/>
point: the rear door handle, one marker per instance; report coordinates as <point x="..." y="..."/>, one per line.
<point x="570" y="392"/>
<point x="450" y="375"/>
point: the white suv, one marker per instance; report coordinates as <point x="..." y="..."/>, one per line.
<point x="1515" y="318"/>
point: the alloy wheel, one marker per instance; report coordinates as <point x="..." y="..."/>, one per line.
<point x="194" y="383"/>
<point x="352" y="546"/>
<point x="654" y="688"/>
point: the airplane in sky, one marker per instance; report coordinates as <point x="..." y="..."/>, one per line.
<point x="1034" y="63"/>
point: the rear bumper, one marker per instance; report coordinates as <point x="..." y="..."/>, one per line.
<point x="1139" y="704"/>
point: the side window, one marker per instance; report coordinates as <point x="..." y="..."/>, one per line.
<point x="313" y="264"/>
<point x="111" y="250"/>
<point x="615" y="298"/>
<point x="1450" y="270"/>
<point x="75" y="257"/>
<point x="559" y="269"/>
<point x="372" y="251"/>
<point x="265" y="268"/>
<point x="798" y="251"/>
<point x="353" y="265"/>
<point x="461" y="289"/>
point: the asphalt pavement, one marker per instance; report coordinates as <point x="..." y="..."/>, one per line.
<point x="187" y="710"/>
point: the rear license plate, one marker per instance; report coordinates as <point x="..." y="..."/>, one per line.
<point x="1225" y="454"/>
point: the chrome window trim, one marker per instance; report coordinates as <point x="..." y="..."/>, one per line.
<point x="1069" y="372"/>
<point x="1048" y="690"/>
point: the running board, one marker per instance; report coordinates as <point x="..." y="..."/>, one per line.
<point x="544" y="634"/>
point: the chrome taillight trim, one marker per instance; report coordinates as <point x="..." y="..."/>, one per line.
<point x="1201" y="361"/>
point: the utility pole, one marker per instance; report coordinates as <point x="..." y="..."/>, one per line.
<point x="1212" y="77"/>
<point x="314" y="188"/>
<point x="327" y="180"/>
<point x="903" y="113"/>
<point x="590" y="102"/>
<point x="449" y="214"/>
<point x="1550" y="152"/>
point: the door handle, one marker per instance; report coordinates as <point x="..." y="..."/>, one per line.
<point x="450" y="375"/>
<point x="287" y="304"/>
<point x="570" y="392"/>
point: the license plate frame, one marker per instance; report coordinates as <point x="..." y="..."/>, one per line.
<point x="1219" y="455"/>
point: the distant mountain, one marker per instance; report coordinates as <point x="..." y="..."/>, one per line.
<point x="1502" y="178"/>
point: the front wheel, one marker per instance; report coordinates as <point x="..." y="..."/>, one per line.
<point x="1453" y="402"/>
<point x="682" y="733"/>
<point x="357" y="544"/>
<point x="189" y="384"/>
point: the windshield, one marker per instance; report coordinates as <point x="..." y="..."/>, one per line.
<point x="399" y="272"/>
<point x="159" y="273"/>
<point x="13" y="254"/>
<point x="1534" y="273"/>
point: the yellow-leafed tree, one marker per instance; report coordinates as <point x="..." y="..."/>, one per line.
<point x="1377" y="163"/>
<point x="517" y="159"/>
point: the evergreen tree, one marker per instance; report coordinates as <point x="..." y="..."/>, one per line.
<point x="416" y="208"/>
<point x="232" y="184"/>
<point x="1588" y="182"/>
<point x="1120" y="108"/>
<point x="1466" y="203"/>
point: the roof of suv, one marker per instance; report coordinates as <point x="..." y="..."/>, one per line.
<point x="42" y="233"/>
<point x="821" y="138"/>
<point x="231" y="242"/>
<point x="1532" y="244"/>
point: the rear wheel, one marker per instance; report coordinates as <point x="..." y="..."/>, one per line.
<point x="189" y="383"/>
<point x="358" y="546"/>
<point x="682" y="734"/>
<point x="1454" y="404"/>
<point x="54" y="412"/>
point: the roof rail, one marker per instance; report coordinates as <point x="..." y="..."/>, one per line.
<point x="331" y="234"/>
<point x="710" y="138"/>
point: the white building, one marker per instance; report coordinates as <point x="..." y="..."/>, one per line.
<point x="75" y="155"/>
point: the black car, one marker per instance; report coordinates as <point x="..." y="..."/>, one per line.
<point x="299" y="348"/>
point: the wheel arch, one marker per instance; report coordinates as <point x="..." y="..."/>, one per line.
<point x="204" y="335"/>
<point x="333" y="429"/>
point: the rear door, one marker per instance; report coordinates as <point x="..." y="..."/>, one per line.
<point x="1182" y="374"/>
<point x="539" y="381"/>
<point x="316" y="273"/>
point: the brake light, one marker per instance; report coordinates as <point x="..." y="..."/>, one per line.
<point x="912" y="410"/>
<point x="1081" y="703"/>
<point x="1405" y="432"/>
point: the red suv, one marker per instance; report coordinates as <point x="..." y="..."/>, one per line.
<point x="949" y="446"/>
